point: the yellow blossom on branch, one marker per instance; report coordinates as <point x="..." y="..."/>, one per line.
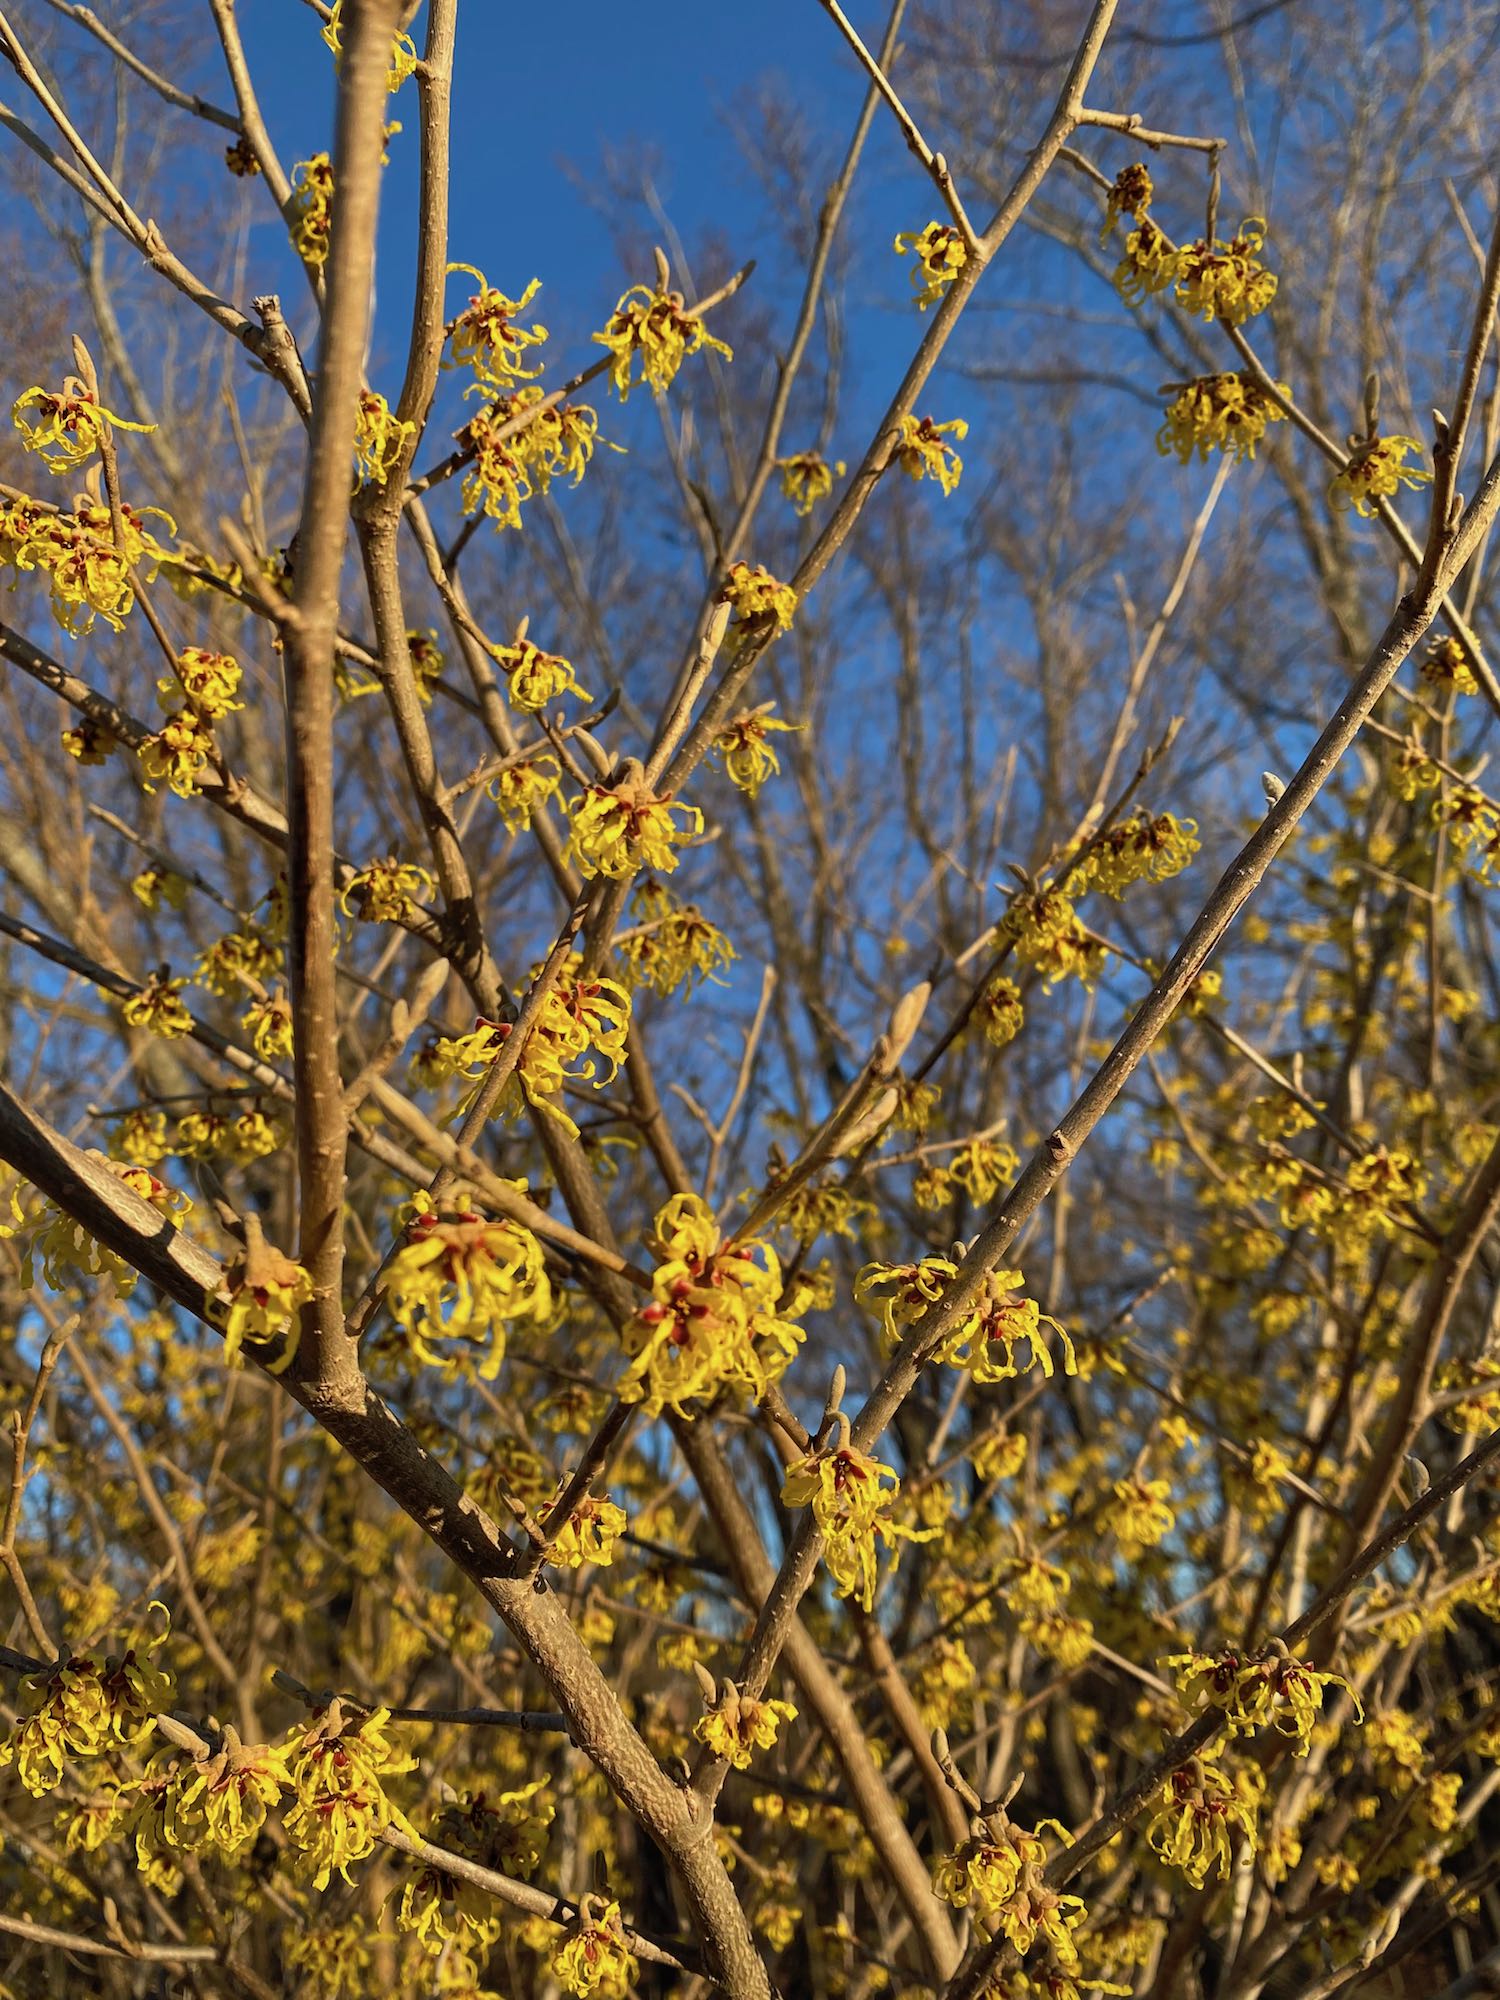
<point x="1376" y="470"/>
<point x="923" y="452"/>
<point x="90" y="742"/>
<point x="748" y="758"/>
<point x="178" y="753"/>
<point x="654" y="328"/>
<point x="1226" y="280"/>
<point x="713" y="1323"/>
<point x="1000" y="1874"/>
<point x="1149" y="265"/>
<point x="737" y="1725"/>
<point x="268" y="1022"/>
<point x="618" y="829"/>
<point x="1194" y="1819"/>
<point x="985" y="1342"/>
<point x="262" y="1298"/>
<point x="533" y="678"/>
<point x="338" y="1765"/>
<point x="1227" y="413"/>
<point x="209" y="681"/>
<point x="1141" y="848"/>
<point x="485" y="335"/>
<point x="524" y="784"/>
<point x="379" y="438"/>
<point x="158" y="1007"/>
<point x="1270" y="1691"/>
<point x="998" y="1012"/>
<point x="1130" y="195"/>
<point x="387" y="892"/>
<point x="938" y="254"/>
<point x="672" y="946"/>
<point x="1446" y="665"/>
<point x="67" y="428"/>
<point x="806" y="478"/>
<point x="762" y="605"/>
<point x="311" y="209"/>
<point x="589" y="1534"/>
<point x="851" y="1497"/>
<point x="456" y="1283"/>
<point x="593" y="1960"/>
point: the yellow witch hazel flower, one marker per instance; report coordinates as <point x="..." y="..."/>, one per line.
<point x="1130" y="195"/>
<point x="311" y="209"/>
<point x="760" y="603"/>
<point x="656" y="329"/>
<point x="938" y="254"/>
<point x="486" y="338"/>
<point x="68" y="427"/>
<point x="1272" y="1691"/>
<point x="404" y="57"/>
<point x="736" y="1725"/>
<point x="64" y="1247"/>
<point x="1377" y="469"/>
<point x="459" y="1279"/>
<point x="999" y="1873"/>
<point x="1140" y="849"/>
<point x="998" y="1012"/>
<point x="379" y="438"/>
<point x="851" y="1497"/>
<point x="903" y="1292"/>
<point x="672" y="946"/>
<point x="1149" y="265"/>
<point x="1226" y="280"/>
<point x="532" y="677"/>
<point x="618" y="829"/>
<point x="210" y="681"/>
<point x="88" y="574"/>
<point x="386" y="892"/>
<point x="82" y="1707"/>
<point x="525" y="783"/>
<point x="1194" y="1818"/>
<point x="593" y="1961"/>
<point x="589" y="1534"/>
<point x="806" y="478"/>
<point x="337" y="1765"/>
<point x="1227" y="413"/>
<point x="178" y="753"/>
<point x="713" y="1323"/>
<point x="223" y="1800"/>
<point x="1141" y="1517"/>
<point x="985" y="1342"/>
<point x="923" y="452"/>
<point x="748" y="758"/>
<point x="1446" y="665"/>
<point x="157" y="1006"/>
<point x="262" y="1298"/>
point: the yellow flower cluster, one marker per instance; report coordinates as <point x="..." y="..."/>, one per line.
<point x="1130" y="195"/>
<point x="461" y="1278"/>
<point x="268" y="1022"/>
<point x="386" y="892"/>
<point x="1376" y="470"/>
<point x="999" y="1872"/>
<point x="579" y="1019"/>
<point x="158" y="1007"/>
<point x="654" y="328"/>
<point x="902" y="1292"/>
<point x="1226" y="281"/>
<point x="239" y="958"/>
<point x="1227" y="413"/>
<point x="1141" y="1517"/>
<point x="311" y="209"/>
<point x="748" y="758"/>
<point x="713" y="1324"/>
<point x="938" y="254"/>
<point x="262" y="1300"/>
<point x="1446" y="666"/>
<point x="522" y="786"/>
<point x="998" y="1011"/>
<point x="736" y="1725"/>
<point x="182" y="749"/>
<point x="761" y="605"/>
<point x="806" y="478"/>
<point x="673" y="945"/>
<point x="1272" y="1691"/>
<point x="589" y="1534"/>
<point x="88" y="574"/>
<point x="1048" y="934"/>
<point x="922" y="450"/>
<point x="593" y="1961"/>
<point x="219" y="1802"/>
<point x="486" y="338"/>
<point x="985" y="1343"/>
<point x="617" y="829"/>
<point x="68" y="428"/>
<point x="63" y="1247"/>
<point x="1140" y="849"/>
<point x="338" y="1764"/>
<point x="379" y="438"/>
<point x="82" y="1707"/>
<point x="1194" y="1818"/>
<point x="533" y="678"/>
<point x="851" y="1496"/>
